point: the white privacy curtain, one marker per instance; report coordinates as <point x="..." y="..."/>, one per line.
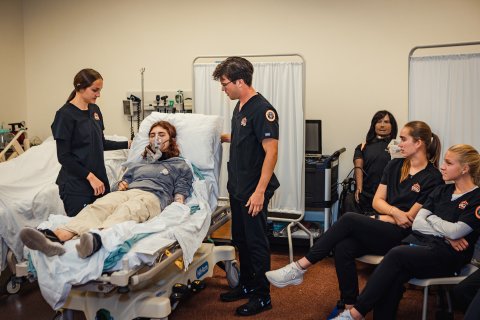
<point x="281" y="83"/>
<point x="444" y="91"/>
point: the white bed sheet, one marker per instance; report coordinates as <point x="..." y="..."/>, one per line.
<point x="28" y="193"/>
<point x="175" y="223"/>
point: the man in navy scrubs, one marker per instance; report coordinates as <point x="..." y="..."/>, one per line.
<point x="251" y="181"/>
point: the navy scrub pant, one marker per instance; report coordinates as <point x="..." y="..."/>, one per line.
<point x="73" y="203"/>
<point x="249" y="235"/>
<point x="352" y="236"/>
<point x="385" y="286"/>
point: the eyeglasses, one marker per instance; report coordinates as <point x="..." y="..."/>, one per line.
<point x="226" y="84"/>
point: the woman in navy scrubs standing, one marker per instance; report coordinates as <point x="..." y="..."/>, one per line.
<point x="78" y="132"/>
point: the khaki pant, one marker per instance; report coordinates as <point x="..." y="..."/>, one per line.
<point x="115" y="207"/>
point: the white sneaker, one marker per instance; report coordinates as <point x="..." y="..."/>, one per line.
<point x="345" y="315"/>
<point x="288" y="275"/>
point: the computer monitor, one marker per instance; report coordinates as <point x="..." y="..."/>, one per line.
<point x="313" y="137"/>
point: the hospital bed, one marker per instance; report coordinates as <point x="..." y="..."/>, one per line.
<point x="162" y="268"/>
<point x="28" y="194"/>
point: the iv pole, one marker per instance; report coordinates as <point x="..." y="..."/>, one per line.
<point x="142" y="71"/>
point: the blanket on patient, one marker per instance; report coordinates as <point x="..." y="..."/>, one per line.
<point x="56" y="275"/>
<point x="28" y="193"/>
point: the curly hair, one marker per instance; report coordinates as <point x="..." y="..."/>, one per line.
<point x="172" y="150"/>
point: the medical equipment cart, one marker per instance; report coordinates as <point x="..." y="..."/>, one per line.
<point x="321" y="187"/>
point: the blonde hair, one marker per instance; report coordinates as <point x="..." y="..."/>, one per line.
<point x="468" y="155"/>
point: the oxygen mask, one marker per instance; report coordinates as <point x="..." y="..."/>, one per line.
<point x="154" y="151"/>
<point x="157" y="142"/>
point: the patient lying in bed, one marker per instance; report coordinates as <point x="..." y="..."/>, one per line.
<point x="144" y="191"/>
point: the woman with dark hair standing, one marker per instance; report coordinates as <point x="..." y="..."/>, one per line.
<point x="371" y="158"/>
<point x="78" y="132"/>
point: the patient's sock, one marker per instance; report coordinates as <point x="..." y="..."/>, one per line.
<point x="37" y="240"/>
<point x="88" y="245"/>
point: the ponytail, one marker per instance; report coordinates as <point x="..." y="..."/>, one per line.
<point x="433" y="150"/>
<point x="71" y="96"/>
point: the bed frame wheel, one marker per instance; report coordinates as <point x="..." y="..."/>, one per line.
<point x="63" y="314"/>
<point x="123" y="290"/>
<point x="197" y="286"/>
<point x="232" y="270"/>
<point x="13" y="287"/>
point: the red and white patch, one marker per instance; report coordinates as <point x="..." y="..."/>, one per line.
<point x="244" y="122"/>
<point x="95" y="116"/>
<point x="270" y="115"/>
<point x="462" y="205"/>
<point x="477" y="212"/>
<point x="416" y="187"/>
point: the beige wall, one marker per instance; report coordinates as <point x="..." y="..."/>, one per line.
<point x="355" y="51"/>
<point x="13" y="105"/>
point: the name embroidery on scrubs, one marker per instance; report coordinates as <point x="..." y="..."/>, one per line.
<point x="244" y="122"/>
<point x="462" y="205"/>
<point x="416" y="187"/>
<point x="95" y="116"/>
<point x="270" y="115"/>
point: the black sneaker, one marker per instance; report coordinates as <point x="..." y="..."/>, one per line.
<point x="240" y="292"/>
<point x="254" y="305"/>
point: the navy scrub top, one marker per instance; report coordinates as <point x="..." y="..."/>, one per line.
<point x="83" y="130"/>
<point x="257" y="120"/>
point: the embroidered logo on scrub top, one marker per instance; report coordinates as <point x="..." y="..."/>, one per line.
<point x="462" y="205"/>
<point x="164" y="171"/>
<point x="416" y="187"/>
<point x="244" y="122"/>
<point x="95" y="116"/>
<point x="477" y="213"/>
<point x="270" y="115"/>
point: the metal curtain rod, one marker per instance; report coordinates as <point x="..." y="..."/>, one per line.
<point x="256" y="56"/>
<point x="459" y="44"/>
<point x="446" y="45"/>
<point x="253" y="56"/>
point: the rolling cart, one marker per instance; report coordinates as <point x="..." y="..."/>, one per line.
<point x="321" y="184"/>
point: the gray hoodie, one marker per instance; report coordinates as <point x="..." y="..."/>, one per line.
<point x="164" y="178"/>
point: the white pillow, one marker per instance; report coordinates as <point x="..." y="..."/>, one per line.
<point x="198" y="137"/>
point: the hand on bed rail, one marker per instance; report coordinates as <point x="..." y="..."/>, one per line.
<point x="97" y="185"/>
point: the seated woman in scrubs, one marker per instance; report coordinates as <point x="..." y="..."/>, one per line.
<point x="443" y="239"/>
<point x="405" y="186"/>
<point x="144" y="191"/>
